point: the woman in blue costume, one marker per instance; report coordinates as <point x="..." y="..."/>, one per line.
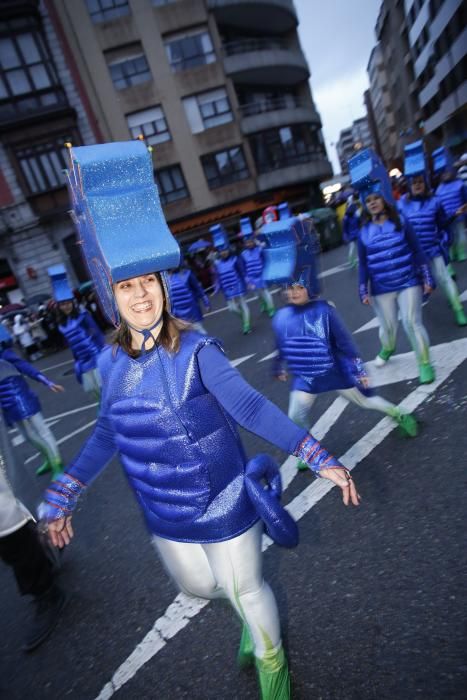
<point x="84" y="337"/>
<point x="426" y="214"/>
<point x="351" y="227"/>
<point x="230" y="276"/>
<point x="312" y="341"/>
<point x="252" y="257"/>
<point x="185" y="294"/>
<point x="170" y="407"/>
<point x="452" y="193"/>
<point x="393" y="269"/>
<point x="21" y="406"/>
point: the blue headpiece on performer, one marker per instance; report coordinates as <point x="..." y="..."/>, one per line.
<point x="442" y="160"/>
<point x="284" y="211"/>
<point x="5" y="338"/>
<point x="368" y="175"/>
<point x="61" y="290"/>
<point x="415" y="160"/>
<point x="119" y="218"/>
<point x="291" y="253"/>
<point x="220" y="239"/>
<point x="246" y="229"/>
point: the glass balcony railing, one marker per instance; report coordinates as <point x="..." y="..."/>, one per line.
<point x="260" y="106"/>
<point x="232" y="48"/>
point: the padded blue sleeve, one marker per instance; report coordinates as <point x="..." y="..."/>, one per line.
<point x="23" y="366"/>
<point x="362" y="270"/>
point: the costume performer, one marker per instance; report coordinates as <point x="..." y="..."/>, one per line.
<point x="21" y="406"/>
<point x="33" y="563"/>
<point x="185" y="293"/>
<point x="452" y="191"/>
<point x="84" y="337"/>
<point x="170" y="404"/>
<point x="252" y="257"/>
<point x="230" y="276"/>
<point x="351" y="227"/>
<point x="393" y="269"/>
<point x="426" y="214"/>
<point x="311" y="339"/>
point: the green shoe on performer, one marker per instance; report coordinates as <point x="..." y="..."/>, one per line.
<point x="246" y="328"/>
<point x="271" y="311"/>
<point x="262" y="306"/>
<point x="408" y="426"/>
<point x="44" y="468"/>
<point x="57" y="467"/>
<point x="461" y="319"/>
<point x="427" y="373"/>
<point x="383" y="356"/>
<point x="302" y="466"/>
<point x="246" y="655"/>
<point x="273" y="674"/>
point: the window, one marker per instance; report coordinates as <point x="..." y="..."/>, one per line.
<point x="150" y="123"/>
<point x="225" y="167"/>
<point x="130" y="70"/>
<point x="28" y="80"/>
<point x="171" y="184"/>
<point x="42" y="165"/>
<point x="189" y="50"/>
<point x="208" y="109"/>
<point x="104" y="10"/>
<point x="279" y="148"/>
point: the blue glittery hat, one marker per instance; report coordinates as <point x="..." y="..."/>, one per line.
<point x="290" y="253"/>
<point x="442" y="159"/>
<point x="220" y="239"/>
<point x="368" y="175"/>
<point x="284" y="211"/>
<point x="5" y="338"/>
<point x="61" y="290"/>
<point x="414" y="160"/>
<point x="119" y="218"/>
<point x="246" y="229"/>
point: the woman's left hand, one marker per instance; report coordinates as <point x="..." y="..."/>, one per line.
<point x="427" y="289"/>
<point x="343" y="479"/>
<point x="56" y="388"/>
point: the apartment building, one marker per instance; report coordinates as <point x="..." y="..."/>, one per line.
<point x="351" y="139"/>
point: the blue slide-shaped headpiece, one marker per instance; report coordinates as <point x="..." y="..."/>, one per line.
<point x="368" y="175"/>
<point x="291" y="253"/>
<point x="246" y="229"/>
<point x="415" y="160"/>
<point x="119" y="218"/>
<point x="5" y="338"/>
<point x="442" y="160"/>
<point x="61" y="290"/>
<point x="220" y="239"/>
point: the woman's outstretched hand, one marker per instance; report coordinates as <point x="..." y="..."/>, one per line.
<point x="60" y="532"/>
<point x="343" y="479"/>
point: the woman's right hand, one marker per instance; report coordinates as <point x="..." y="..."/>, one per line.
<point x="60" y="532"/>
<point x="365" y="300"/>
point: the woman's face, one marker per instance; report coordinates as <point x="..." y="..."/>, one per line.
<point x="140" y="300"/>
<point x="418" y="185"/>
<point x="297" y="294"/>
<point x="66" y="307"/>
<point x="374" y="204"/>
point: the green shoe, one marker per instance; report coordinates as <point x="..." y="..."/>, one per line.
<point x="246" y="655"/>
<point x="57" y="468"/>
<point x="461" y="319"/>
<point x="44" y="468"/>
<point x="246" y="328"/>
<point x="271" y="311"/>
<point x="262" y="306"/>
<point x="302" y="466"/>
<point x="461" y="255"/>
<point x="273" y="675"/>
<point x="385" y="354"/>
<point x="427" y="373"/>
<point x="408" y="426"/>
<point x="451" y="272"/>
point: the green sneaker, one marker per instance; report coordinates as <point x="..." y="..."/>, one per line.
<point x="273" y="675"/>
<point x="262" y="306"/>
<point x="44" y="468"/>
<point x="271" y="311"/>
<point x="408" y="426"/>
<point x="57" y="468"/>
<point x="427" y="373"/>
<point x="246" y="328"/>
<point x="461" y="319"/>
<point x="302" y="466"/>
<point x="246" y="655"/>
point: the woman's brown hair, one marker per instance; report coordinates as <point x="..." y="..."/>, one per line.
<point x="390" y="211"/>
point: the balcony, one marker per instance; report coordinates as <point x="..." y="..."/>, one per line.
<point x="271" y="113"/>
<point x="33" y="107"/>
<point x="295" y="170"/>
<point x="269" y="16"/>
<point x="264" y="62"/>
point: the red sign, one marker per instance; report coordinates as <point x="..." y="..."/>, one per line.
<point x="7" y="282"/>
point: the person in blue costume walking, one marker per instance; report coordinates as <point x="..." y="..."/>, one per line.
<point x="252" y="257"/>
<point x="186" y="293"/>
<point x="426" y="214"/>
<point x="229" y="276"/>
<point x="84" y="337"/>
<point x="351" y="227"/>
<point x="312" y="341"/>
<point x="393" y="269"/>
<point x="452" y="192"/>
<point x="21" y="406"/>
<point x="170" y="406"/>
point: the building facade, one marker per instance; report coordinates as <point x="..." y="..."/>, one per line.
<point x="379" y="102"/>
<point x="353" y="139"/>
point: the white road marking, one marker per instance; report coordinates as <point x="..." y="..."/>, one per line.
<point x="374" y="323"/>
<point x="463" y="296"/>
<point x="64" y="439"/>
<point x="334" y="270"/>
<point x="269" y="357"/>
<point x="248" y="301"/>
<point x="183" y="609"/>
<point x="239" y="360"/>
<point x="60" y="364"/>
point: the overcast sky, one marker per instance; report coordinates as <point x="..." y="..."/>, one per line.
<point x="337" y="37"/>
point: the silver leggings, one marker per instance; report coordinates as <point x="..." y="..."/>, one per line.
<point x="409" y="302"/>
<point x="239" y="305"/>
<point x="36" y="431"/>
<point x="232" y="570"/>
<point x="444" y="279"/>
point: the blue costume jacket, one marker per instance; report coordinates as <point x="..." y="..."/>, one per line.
<point x="317" y="348"/>
<point x="229" y="273"/>
<point x="351" y="224"/>
<point x="429" y="221"/>
<point x="17" y="399"/>
<point x="85" y="340"/>
<point x="253" y="263"/>
<point x="390" y="260"/>
<point x="185" y="291"/>
<point x="452" y="195"/>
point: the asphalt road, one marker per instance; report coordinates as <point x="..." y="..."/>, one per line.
<point x="372" y="600"/>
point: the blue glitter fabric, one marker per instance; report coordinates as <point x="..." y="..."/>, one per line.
<point x="60" y="288"/>
<point x="246" y="230"/>
<point x="118" y="215"/>
<point x="368" y="175"/>
<point x="60" y="498"/>
<point x="415" y="160"/>
<point x="220" y="239"/>
<point x="442" y="159"/>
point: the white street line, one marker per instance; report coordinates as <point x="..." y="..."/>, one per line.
<point x="60" y="364"/>
<point x="54" y="419"/>
<point x="374" y="323"/>
<point x="463" y="296"/>
<point x="334" y="270"/>
<point x="179" y="613"/>
<point x="239" y="360"/>
<point x="64" y="438"/>
<point x="269" y="357"/>
<point x="226" y="308"/>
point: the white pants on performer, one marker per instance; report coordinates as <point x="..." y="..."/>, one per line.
<point x="444" y="279"/>
<point x="301" y="402"/>
<point x="36" y="431"/>
<point x="239" y="305"/>
<point x="198" y="326"/>
<point x="91" y="382"/>
<point x="232" y="570"/>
